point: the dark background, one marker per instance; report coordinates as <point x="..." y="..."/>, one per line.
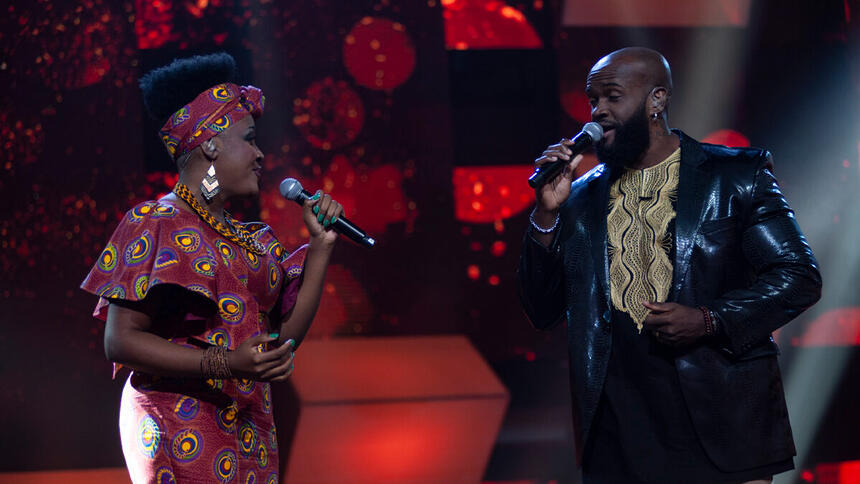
<point x="428" y="156"/>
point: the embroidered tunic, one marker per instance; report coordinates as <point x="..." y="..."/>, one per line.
<point x="640" y="212"/>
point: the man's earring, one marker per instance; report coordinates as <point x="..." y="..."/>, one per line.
<point x="209" y="187"/>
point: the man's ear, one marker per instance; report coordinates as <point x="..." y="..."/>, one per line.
<point x="210" y="149"/>
<point x="658" y="99"/>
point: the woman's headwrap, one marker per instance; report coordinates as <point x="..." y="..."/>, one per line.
<point x="210" y="113"/>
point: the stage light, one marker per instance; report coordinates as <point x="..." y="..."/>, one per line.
<point x="379" y="53"/>
<point x="485" y="194"/>
<point x="487" y="24"/>
<point x="727" y="137"/>
<point x="837" y="327"/>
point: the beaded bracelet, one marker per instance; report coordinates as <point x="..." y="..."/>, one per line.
<point x="541" y="229"/>
<point x="715" y="321"/>
<point x="213" y="364"/>
<point x="709" y="322"/>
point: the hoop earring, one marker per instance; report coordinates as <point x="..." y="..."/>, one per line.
<point x="209" y="187"/>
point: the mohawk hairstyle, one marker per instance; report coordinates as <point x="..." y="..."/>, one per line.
<point x="168" y="88"/>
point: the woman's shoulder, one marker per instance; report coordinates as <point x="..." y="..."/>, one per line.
<point x="155" y="243"/>
<point x="263" y="233"/>
<point x="154" y="211"/>
<point x="154" y="217"/>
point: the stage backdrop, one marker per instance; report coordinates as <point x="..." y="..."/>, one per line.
<point x="423" y="118"/>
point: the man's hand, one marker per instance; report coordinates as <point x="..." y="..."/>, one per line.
<point x="674" y="324"/>
<point x="551" y="195"/>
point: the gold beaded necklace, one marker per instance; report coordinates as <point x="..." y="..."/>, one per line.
<point x="239" y="235"/>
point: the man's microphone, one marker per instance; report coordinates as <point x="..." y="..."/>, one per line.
<point x="591" y="133"/>
<point x="291" y="189"/>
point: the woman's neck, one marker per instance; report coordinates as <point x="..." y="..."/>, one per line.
<point x="215" y="207"/>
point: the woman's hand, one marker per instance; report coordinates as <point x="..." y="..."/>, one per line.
<point x="319" y="213"/>
<point x="247" y="361"/>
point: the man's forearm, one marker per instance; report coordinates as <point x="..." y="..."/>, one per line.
<point x="541" y="284"/>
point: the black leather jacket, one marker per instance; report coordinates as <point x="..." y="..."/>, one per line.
<point x="738" y="251"/>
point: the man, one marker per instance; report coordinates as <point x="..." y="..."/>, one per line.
<point x="672" y="261"/>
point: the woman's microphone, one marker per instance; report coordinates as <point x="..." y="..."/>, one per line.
<point x="291" y="189"/>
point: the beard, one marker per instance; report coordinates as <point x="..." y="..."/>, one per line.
<point x="631" y="140"/>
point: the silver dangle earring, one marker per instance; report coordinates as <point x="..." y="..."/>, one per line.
<point x="209" y="186"/>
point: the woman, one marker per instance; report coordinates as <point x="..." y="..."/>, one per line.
<point x="205" y="310"/>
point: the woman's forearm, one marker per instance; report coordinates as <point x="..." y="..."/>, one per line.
<point x="298" y="321"/>
<point x="129" y="343"/>
<point x="150" y="353"/>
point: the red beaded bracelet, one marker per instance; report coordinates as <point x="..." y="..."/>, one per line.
<point x="709" y="323"/>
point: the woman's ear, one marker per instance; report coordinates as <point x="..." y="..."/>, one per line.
<point x="210" y="149"/>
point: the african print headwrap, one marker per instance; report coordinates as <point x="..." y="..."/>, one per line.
<point x="210" y="113"/>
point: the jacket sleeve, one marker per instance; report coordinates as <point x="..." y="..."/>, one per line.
<point x="541" y="283"/>
<point x="787" y="280"/>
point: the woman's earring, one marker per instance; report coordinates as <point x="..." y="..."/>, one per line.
<point x="655" y="116"/>
<point x="209" y="186"/>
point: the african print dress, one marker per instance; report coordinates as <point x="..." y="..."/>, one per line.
<point x="184" y="429"/>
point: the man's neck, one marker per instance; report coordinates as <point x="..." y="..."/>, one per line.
<point x="663" y="143"/>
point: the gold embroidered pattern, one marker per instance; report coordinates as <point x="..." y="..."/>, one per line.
<point x="640" y="210"/>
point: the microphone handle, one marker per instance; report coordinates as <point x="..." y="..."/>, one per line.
<point x="343" y="226"/>
<point x="548" y="171"/>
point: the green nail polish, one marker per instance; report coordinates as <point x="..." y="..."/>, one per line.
<point x="320" y="217"/>
<point x="273" y="335"/>
<point x="334" y="219"/>
<point x="291" y="342"/>
<point x="316" y="209"/>
<point x="316" y="196"/>
<point x="325" y="223"/>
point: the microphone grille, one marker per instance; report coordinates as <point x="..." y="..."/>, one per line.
<point x="594" y="130"/>
<point x="291" y="189"/>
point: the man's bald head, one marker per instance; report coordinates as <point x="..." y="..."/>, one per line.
<point x="646" y="67"/>
<point x="642" y="66"/>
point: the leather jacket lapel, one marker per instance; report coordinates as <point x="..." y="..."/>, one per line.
<point x="692" y="186"/>
<point x="597" y="212"/>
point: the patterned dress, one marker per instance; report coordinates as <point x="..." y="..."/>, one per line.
<point x="186" y="429"/>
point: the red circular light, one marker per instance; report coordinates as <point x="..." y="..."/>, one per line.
<point x="576" y="105"/>
<point x="473" y="272"/>
<point x="378" y="53"/>
<point x="727" y="137"/>
<point x="498" y="248"/>
<point x="330" y="114"/>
